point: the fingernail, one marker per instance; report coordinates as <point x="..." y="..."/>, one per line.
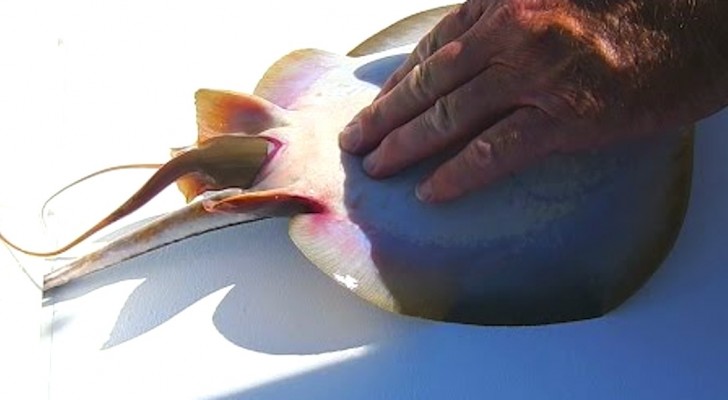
<point x="350" y="137"/>
<point x="370" y="161"/>
<point x="424" y="191"/>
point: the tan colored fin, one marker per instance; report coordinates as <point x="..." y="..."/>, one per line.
<point x="222" y="112"/>
<point x="403" y="32"/>
<point x="289" y="78"/>
<point x="193" y="185"/>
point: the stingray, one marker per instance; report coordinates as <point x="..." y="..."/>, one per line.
<point x="570" y="238"/>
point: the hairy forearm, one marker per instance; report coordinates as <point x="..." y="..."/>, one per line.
<point x="676" y="51"/>
<point x="699" y="34"/>
<point x="699" y="26"/>
<point x="688" y="28"/>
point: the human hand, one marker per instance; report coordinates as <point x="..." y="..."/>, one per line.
<point x="508" y="82"/>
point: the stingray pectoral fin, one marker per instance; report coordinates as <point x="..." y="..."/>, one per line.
<point x="297" y="75"/>
<point x="342" y="251"/>
<point x="404" y="32"/>
<point x="222" y="112"/>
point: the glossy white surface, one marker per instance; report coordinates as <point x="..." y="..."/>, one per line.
<point x="239" y="313"/>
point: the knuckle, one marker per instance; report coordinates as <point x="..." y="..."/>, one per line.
<point x="439" y="121"/>
<point x="427" y="46"/>
<point x="508" y="138"/>
<point x="566" y="97"/>
<point x="504" y="74"/>
<point x="423" y="83"/>
<point x="367" y="116"/>
<point x="397" y="76"/>
<point x="375" y="116"/>
<point x="478" y="156"/>
<point x="583" y="104"/>
<point x="566" y="111"/>
<point x="577" y="89"/>
<point x="529" y="11"/>
<point x="469" y="12"/>
<point x="393" y="142"/>
<point x="371" y="123"/>
<point x="531" y="133"/>
<point x="508" y="11"/>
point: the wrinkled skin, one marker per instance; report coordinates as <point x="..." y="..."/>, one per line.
<point x="507" y="82"/>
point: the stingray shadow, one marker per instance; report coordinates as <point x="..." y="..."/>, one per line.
<point x="279" y="302"/>
<point x="377" y="72"/>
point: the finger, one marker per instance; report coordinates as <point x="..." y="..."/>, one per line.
<point x="468" y="110"/>
<point x="452" y="26"/>
<point x="516" y="142"/>
<point x="451" y="66"/>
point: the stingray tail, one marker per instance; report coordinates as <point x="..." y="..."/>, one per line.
<point x="228" y="155"/>
<point x="221" y="210"/>
<point x="44" y="208"/>
<point x="223" y="162"/>
<point x="187" y="222"/>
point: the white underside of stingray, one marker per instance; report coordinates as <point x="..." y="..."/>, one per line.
<point x="570" y="238"/>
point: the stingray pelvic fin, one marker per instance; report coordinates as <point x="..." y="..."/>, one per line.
<point x="223" y="162"/>
<point x="223" y="112"/>
<point x="274" y="202"/>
